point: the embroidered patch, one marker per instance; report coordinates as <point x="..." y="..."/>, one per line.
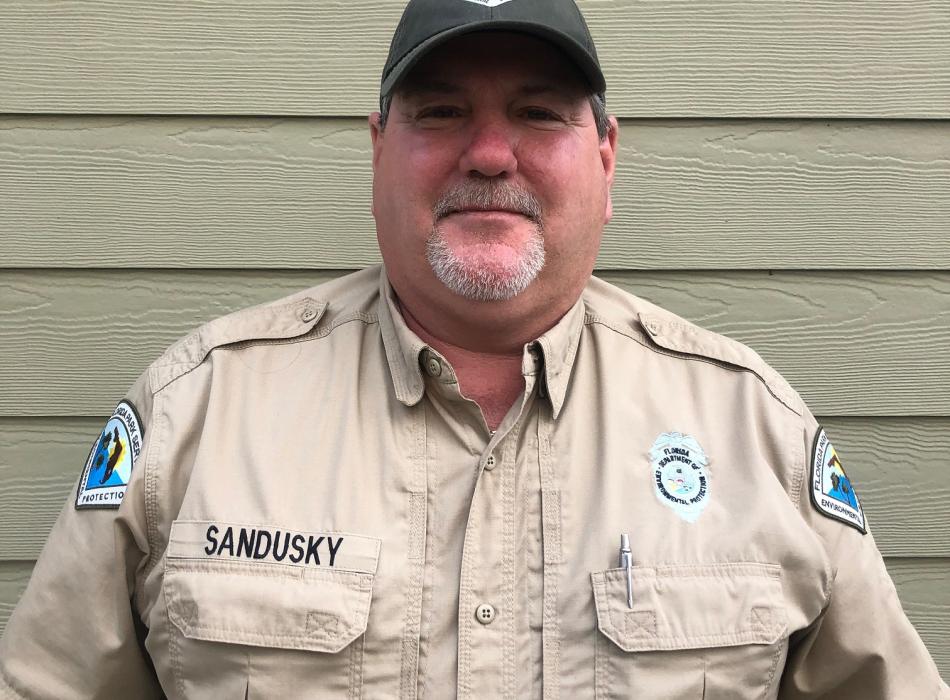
<point x="206" y="539"/>
<point x="679" y="475"/>
<point x="109" y="465"/>
<point x="831" y="490"/>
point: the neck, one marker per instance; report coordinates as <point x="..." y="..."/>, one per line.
<point x="492" y="380"/>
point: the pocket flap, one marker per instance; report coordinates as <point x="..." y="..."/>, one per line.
<point x="268" y="605"/>
<point x="255" y="593"/>
<point x="691" y="606"/>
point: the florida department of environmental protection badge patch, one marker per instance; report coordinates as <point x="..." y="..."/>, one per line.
<point x="109" y="466"/>
<point x="679" y="474"/>
<point x="831" y="490"/>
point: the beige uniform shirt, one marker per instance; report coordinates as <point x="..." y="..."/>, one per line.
<point x="317" y="512"/>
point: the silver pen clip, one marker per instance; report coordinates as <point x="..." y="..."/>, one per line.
<point x="626" y="562"/>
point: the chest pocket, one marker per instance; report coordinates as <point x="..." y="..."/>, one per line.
<point x="253" y="629"/>
<point x="695" y="631"/>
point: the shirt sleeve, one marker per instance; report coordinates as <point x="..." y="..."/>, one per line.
<point x="862" y="646"/>
<point x="75" y="632"/>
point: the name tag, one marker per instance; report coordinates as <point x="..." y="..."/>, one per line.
<point x="210" y="539"/>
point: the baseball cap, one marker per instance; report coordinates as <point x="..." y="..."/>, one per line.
<point x="426" y="24"/>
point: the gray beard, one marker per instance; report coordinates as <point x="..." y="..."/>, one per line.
<point x="471" y="281"/>
<point x="477" y="283"/>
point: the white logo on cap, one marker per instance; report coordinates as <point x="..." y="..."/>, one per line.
<point x="489" y="3"/>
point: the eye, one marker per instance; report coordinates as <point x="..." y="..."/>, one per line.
<point x="541" y="114"/>
<point x="436" y="112"/>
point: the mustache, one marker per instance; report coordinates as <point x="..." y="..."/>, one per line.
<point x="488" y="194"/>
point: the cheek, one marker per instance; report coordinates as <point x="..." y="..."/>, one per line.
<point x="429" y="158"/>
<point x="572" y="184"/>
<point x="412" y="180"/>
<point x="566" y="171"/>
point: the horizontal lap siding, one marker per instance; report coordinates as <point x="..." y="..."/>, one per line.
<point x="810" y="58"/>
<point x="784" y="178"/>
<point x="219" y="192"/>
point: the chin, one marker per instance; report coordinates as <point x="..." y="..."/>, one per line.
<point x="485" y="273"/>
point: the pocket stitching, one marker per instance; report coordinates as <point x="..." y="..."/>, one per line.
<point x="751" y="634"/>
<point x="643" y="623"/>
<point x="179" y="612"/>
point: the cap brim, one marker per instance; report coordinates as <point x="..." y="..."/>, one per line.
<point x="577" y="53"/>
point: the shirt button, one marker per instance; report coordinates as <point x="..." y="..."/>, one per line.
<point x="490" y="462"/>
<point x="308" y="312"/>
<point x="485" y="613"/>
<point x="433" y="366"/>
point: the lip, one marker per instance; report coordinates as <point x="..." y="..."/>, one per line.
<point x="486" y="212"/>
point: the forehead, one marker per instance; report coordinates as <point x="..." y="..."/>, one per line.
<point x="500" y="57"/>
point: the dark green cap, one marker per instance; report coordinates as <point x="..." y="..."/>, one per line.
<point x="427" y="23"/>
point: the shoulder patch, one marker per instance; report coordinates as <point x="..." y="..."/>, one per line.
<point x="109" y="465"/>
<point x="831" y="491"/>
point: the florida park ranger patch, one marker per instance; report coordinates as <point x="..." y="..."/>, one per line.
<point x="109" y="465"/>
<point x="831" y="490"/>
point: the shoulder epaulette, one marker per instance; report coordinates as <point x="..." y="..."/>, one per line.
<point x="679" y="336"/>
<point x="288" y="318"/>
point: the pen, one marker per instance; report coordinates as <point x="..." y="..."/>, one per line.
<point x="626" y="562"/>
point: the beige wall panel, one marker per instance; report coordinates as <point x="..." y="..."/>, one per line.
<point x="898" y="466"/>
<point x="295" y="193"/>
<point x="921" y="584"/>
<point x="40" y="461"/>
<point x="745" y="58"/>
<point x="857" y="343"/>
<point x="924" y="589"/>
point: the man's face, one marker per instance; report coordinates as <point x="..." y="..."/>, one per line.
<point x="491" y="185"/>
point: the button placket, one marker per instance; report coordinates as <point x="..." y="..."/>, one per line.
<point x="479" y="647"/>
<point x="551" y="539"/>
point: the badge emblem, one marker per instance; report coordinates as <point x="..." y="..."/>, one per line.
<point x="831" y="490"/>
<point x="109" y="465"/>
<point x="679" y="475"/>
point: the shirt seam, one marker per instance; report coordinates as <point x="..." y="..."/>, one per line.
<point x="688" y="356"/>
<point x="151" y="492"/>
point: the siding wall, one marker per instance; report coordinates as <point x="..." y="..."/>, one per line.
<point x="784" y="178"/>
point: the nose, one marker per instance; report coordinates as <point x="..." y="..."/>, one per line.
<point x="491" y="150"/>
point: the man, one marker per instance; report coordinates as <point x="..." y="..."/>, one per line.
<point x="417" y="481"/>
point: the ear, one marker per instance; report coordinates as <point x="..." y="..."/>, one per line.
<point x="376" y="136"/>
<point x="608" y="156"/>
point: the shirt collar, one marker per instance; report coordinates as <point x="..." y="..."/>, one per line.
<point x="559" y="348"/>
<point x="403" y="348"/>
